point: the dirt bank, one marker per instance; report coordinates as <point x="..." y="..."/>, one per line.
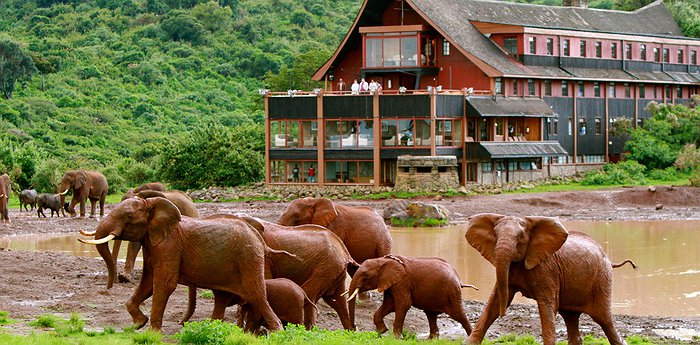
<point x="33" y="283"/>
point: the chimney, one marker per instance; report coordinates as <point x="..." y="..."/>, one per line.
<point x="576" y="3"/>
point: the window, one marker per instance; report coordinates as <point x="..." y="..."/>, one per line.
<point x="628" y="51"/>
<point x="596" y="89"/>
<point x="582" y="49"/>
<point x="693" y="57"/>
<point x="598" y="126"/>
<point x="582" y="126"/>
<point x="511" y="45"/>
<point x="679" y="91"/>
<point x="349" y="171"/>
<point x="289" y="134"/>
<point x="292" y="171"/>
<point x="515" y="87"/>
<point x="570" y="129"/>
<point x="643" y="52"/>
<point x="612" y="92"/>
<point x="499" y="86"/>
<point x="598" y="49"/>
<point x="530" y="87"/>
<point x="567" y="51"/>
<point x="642" y="91"/>
<point x="553" y="125"/>
<point x="613" y="50"/>
<point x="657" y="56"/>
<point x="550" y="46"/>
<point x="680" y="56"/>
<point x="581" y="89"/>
<point x="486" y="167"/>
<point x="547" y="87"/>
<point x="565" y="88"/>
<point x="666" y="57"/>
<point x="533" y="45"/>
<point x="445" y="47"/>
<point x="628" y="91"/>
<point x="668" y="91"/>
<point x="391" y="49"/>
<point x="349" y="133"/>
<point x="448" y="132"/>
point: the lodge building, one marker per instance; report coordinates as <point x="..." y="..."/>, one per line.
<point x="514" y="91"/>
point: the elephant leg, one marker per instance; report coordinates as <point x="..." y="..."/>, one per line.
<point x="401" y="307"/>
<point x="432" y="323"/>
<point x="82" y="208"/>
<point x="488" y="316"/>
<point x="221" y="301"/>
<point x="340" y="305"/>
<point x="548" y="318"/>
<point x="604" y="319"/>
<point x="385" y="309"/>
<point x="456" y="312"/>
<point x="314" y="295"/>
<point x="191" y="304"/>
<point x="93" y="204"/>
<point x="131" y="253"/>
<point x="571" y="319"/>
<point x="102" y="204"/>
<point x="167" y="283"/>
<point x="254" y="292"/>
<point x="143" y="291"/>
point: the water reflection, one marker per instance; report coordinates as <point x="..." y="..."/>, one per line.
<point x="667" y="282"/>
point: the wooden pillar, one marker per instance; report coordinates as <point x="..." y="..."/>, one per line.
<point x="267" y="139"/>
<point x="433" y="111"/>
<point x="377" y="147"/>
<point x="574" y="125"/>
<point x="636" y="106"/>
<point x="607" y="123"/>
<point x="321" y="141"/>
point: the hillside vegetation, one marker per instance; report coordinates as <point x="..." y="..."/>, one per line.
<point x="159" y="89"/>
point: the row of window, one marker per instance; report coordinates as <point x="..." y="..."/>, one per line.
<point x="553" y="126"/>
<point x="499" y="165"/>
<point x="335" y="172"/>
<point x="581" y="90"/>
<point x="658" y="54"/>
<point x="359" y="133"/>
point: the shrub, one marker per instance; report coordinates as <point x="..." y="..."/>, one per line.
<point x="668" y="174"/>
<point x="48" y="175"/>
<point x="45" y="321"/>
<point x="73" y="326"/>
<point x="626" y="172"/>
<point x="148" y="337"/>
<point x="210" y="332"/>
<point x="4" y="318"/>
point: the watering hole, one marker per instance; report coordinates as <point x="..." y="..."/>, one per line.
<point x="666" y="282"/>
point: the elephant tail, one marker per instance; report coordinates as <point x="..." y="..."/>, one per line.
<point x="623" y="263"/>
<point x="468" y="286"/>
<point x="191" y="304"/>
<point x="276" y="253"/>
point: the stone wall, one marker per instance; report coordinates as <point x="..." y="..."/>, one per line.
<point x="430" y="173"/>
<point x="569" y="169"/>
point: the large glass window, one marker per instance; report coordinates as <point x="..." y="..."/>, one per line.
<point x="628" y="91"/>
<point x="581" y="89"/>
<point x="511" y="45"/>
<point x="292" y="134"/>
<point x="499" y="86"/>
<point x="448" y="132"/>
<point x="391" y="49"/>
<point x="406" y="132"/>
<point x="349" y="133"/>
<point x="293" y="171"/>
<point x="349" y="172"/>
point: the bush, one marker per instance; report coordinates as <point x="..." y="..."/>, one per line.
<point x="211" y="332"/>
<point x="626" y="172"/>
<point x="668" y="174"/>
<point x="48" y="175"/>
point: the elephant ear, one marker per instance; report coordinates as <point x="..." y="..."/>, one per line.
<point x="164" y="217"/>
<point x="547" y="235"/>
<point x="482" y="236"/>
<point x="391" y="272"/>
<point x="80" y="179"/>
<point x="145" y="194"/>
<point x="324" y="212"/>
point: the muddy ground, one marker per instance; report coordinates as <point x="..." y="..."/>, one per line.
<point x="34" y="283"/>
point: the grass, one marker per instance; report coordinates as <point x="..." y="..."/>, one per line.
<point x="412" y="222"/>
<point x="577" y="186"/>
<point x="5" y="318"/>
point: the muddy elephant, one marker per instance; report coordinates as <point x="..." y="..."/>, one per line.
<point x="565" y="272"/>
<point x="51" y="202"/>
<point x="146" y="186"/>
<point x="27" y="197"/>
<point x="287" y="299"/>
<point x="429" y="284"/>
<point x="184" y="204"/>
<point x="85" y="185"/>
<point x="5" y="192"/>
<point x="361" y="229"/>
<point x="219" y="254"/>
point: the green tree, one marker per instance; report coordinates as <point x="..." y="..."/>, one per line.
<point x="45" y="66"/>
<point x="181" y="26"/>
<point x="297" y="75"/>
<point x="213" y="16"/>
<point x="15" y="65"/>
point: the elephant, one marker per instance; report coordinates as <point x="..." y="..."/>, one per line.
<point x="219" y="254"/>
<point x="361" y="229"/>
<point x="5" y="192"/>
<point x="51" y="202"/>
<point x="565" y="272"/>
<point x="287" y="299"/>
<point x="146" y="186"/>
<point x="320" y="263"/>
<point x="429" y="284"/>
<point x="184" y="204"/>
<point x="28" y="197"/>
<point x="85" y="185"/>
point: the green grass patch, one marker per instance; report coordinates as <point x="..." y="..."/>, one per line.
<point x="148" y="338"/>
<point x="411" y="222"/>
<point x="5" y="318"/>
<point x="206" y="294"/>
<point x="45" y="321"/>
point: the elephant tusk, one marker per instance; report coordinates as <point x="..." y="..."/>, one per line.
<point x="64" y="192"/>
<point x="470" y="286"/>
<point x="344" y="293"/>
<point x="100" y="241"/>
<point x="85" y="233"/>
<point x="2" y="195"/>
<point x="354" y="293"/>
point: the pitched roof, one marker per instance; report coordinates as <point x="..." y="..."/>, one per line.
<point x="517" y="149"/>
<point x="509" y="106"/>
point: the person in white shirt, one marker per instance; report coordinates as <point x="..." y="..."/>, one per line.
<point x="363" y="85"/>
<point x="372" y="87"/>
<point x="355" y="88"/>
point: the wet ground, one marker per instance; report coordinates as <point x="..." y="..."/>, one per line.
<point x="37" y="282"/>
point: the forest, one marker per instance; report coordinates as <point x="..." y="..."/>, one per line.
<point x="166" y="90"/>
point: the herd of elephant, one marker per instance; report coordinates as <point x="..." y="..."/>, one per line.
<point x="278" y="271"/>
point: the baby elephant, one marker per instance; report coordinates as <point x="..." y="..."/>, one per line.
<point x="27" y="197"/>
<point x="49" y="201"/>
<point x="429" y="284"/>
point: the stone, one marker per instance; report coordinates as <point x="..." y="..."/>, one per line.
<point x="652" y="189"/>
<point x="394" y="207"/>
<point x="659" y="206"/>
<point x="422" y="211"/>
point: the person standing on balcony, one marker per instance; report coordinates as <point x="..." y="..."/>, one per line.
<point x="364" y="87"/>
<point x="295" y="173"/>
<point x="312" y="174"/>
<point x="341" y="85"/>
<point x="355" y="88"/>
<point x="372" y="87"/>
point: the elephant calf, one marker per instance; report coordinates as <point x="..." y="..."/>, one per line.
<point x="49" y="201"/>
<point x="27" y="197"/>
<point x="429" y="284"/>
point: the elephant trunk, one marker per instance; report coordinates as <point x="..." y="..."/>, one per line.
<point x="352" y="294"/>
<point x="103" y="236"/>
<point x="106" y="255"/>
<point x="502" y="263"/>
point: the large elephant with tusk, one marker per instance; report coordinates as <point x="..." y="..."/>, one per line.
<point x="85" y="185"/>
<point x="219" y="254"/>
<point x="4" y="197"/>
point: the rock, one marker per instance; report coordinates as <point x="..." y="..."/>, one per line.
<point x="422" y="211"/>
<point x="659" y="206"/>
<point x="395" y="207"/>
<point x="652" y="189"/>
<point x="438" y="198"/>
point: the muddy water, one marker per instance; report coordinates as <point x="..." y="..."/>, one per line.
<point x="667" y="282"/>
